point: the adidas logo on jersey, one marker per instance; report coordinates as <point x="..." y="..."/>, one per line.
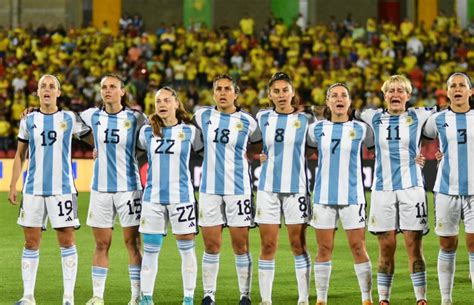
<point x="69" y="218"/>
<point x="445" y="125"/>
<point x="248" y="218"/>
<point x="304" y="215"/>
<point x="361" y="220"/>
<point x="98" y="123"/>
<point x="191" y="224"/>
<point x="34" y="126"/>
<point x="423" y="222"/>
<point x="267" y="124"/>
<point x="209" y="122"/>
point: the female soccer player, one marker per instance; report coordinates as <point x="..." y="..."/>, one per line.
<point x="49" y="191"/>
<point x="398" y="201"/>
<point x="225" y="192"/>
<point x="454" y="186"/>
<point x="116" y="187"/>
<point x="339" y="190"/>
<point x="169" y="193"/>
<point x="283" y="187"/>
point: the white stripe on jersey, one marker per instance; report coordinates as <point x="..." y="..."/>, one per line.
<point x="456" y="142"/>
<point x="284" y="141"/>
<point x="397" y="143"/>
<point x="168" y="176"/>
<point x="49" y="138"/>
<point x="338" y="177"/>
<point x="115" y="135"/>
<point x="225" y="166"/>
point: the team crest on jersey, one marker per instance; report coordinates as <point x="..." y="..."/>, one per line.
<point x="127" y="124"/>
<point x="239" y="126"/>
<point x="297" y="124"/>
<point x="409" y="120"/>
<point x="352" y="134"/>
<point x="63" y="125"/>
<point x="181" y="136"/>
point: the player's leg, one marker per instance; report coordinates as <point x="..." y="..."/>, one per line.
<point x="268" y="218"/>
<point x="386" y="263"/>
<point x="323" y="263"/>
<point x="211" y="220"/>
<point x="32" y="217"/>
<point x="355" y="231"/>
<point x="448" y="215"/>
<point x="239" y="214"/>
<point x="129" y="208"/>
<point x="296" y="212"/>
<point x="468" y="211"/>
<point x="69" y="261"/>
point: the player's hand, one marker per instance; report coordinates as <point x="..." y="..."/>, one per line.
<point x="26" y="112"/>
<point x="94" y="153"/>
<point x="12" y="196"/>
<point x="420" y="160"/>
<point x="439" y="155"/>
<point x="263" y="158"/>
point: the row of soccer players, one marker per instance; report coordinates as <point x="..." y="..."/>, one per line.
<point x="225" y="134"/>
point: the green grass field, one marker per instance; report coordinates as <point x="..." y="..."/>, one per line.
<point x="343" y="288"/>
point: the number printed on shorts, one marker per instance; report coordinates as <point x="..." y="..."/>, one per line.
<point x="65" y="208"/>
<point x="303" y="204"/>
<point x="420" y="209"/>
<point x="245" y="207"/>
<point x="186" y="213"/>
<point x="135" y="207"/>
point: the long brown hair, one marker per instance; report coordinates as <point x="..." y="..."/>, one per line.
<point x="181" y="114"/>
<point x="124" y="98"/>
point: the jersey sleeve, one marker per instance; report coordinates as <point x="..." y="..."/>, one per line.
<point x="255" y="134"/>
<point x="310" y="137"/>
<point x="197" y="118"/>
<point x="423" y="113"/>
<point x="197" y="142"/>
<point x="80" y="129"/>
<point x="430" y="130"/>
<point x="23" y="134"/>
<point x="369" y="137"/>
<point x="141" y="143"/>
<point x="86" y="116"/>
<point x="367" y="115"/>
<point x="141" y="119"/>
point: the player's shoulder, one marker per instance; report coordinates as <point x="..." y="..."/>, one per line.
<point x="246" y="115"/>
<point x="203" y="109"/>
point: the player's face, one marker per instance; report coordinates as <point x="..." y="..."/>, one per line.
<point x="224" y="94"/>
<point x="281" y="93"/>
<point x="165" y="104"/>
<point x="338" y="101"/>
<point x="111" y="91"/>
<point x="459" y="91"/>
<point x="396" y="98"/>
<point x="48" y="91"/>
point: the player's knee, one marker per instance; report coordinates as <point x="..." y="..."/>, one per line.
<point x="268" y="248"/>
<point x="102" y="245"/>
<point x="324" y="251"/>
<point x="32" y="243"/>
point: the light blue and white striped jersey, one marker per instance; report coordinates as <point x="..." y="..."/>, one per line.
<point x="397" y="143"/>
<point x="338" y="177"/>
<point x="115" y="136"/>
<point x="225" y="166"/>
<point x="284" y="143"/>
<point x="168" y="176"/>
<point x="49" y="138"/>
<point x="456" y="142"/>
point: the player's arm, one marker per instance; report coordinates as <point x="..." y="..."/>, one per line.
<point x="18" y="162"/>
<point x="254" y="149"/>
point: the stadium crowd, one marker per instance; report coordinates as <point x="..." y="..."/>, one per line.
<point x="363" y="56"/>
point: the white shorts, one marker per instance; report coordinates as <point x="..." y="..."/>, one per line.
<point x="103" y="207"/>
<point x="156" y="217"/>
<point x="326" y="216"/>
<point x="295" y="208"/>
<point x="230" y="210"/>
<point x="399" y="210"/>
<point x="449" y="210"/>
<point x="61" y="210"/>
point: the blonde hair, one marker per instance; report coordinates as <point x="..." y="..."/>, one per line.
<point x="52" y="76"/>
<point x="397" y="79"/>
